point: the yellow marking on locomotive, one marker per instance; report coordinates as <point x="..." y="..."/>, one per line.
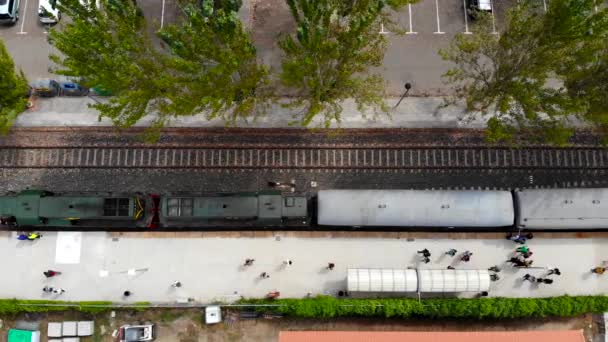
<point x="139" y="208"/>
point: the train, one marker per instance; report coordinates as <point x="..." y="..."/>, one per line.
<point x="528" y="209"/>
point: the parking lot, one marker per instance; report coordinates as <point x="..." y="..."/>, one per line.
<point x="412" y="57"/>
<point x="27" y="40"/>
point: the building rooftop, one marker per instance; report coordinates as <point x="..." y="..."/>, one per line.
<point x="425" y="336"/>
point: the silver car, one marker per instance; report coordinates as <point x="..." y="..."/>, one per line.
<point x="9" y="11"/>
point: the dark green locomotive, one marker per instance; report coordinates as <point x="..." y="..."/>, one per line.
<point x="41" y="210"/>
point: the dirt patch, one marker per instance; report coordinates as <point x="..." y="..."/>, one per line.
<point x="187" y="325"/>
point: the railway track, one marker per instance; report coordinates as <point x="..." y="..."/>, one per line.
<point x="314" y="157"/>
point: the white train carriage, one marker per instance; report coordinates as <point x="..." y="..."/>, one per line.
<point x="562" y="208"/>
<point x="415" y="208"/>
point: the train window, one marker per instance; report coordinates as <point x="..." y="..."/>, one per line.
<point x="116" y="207"/>
<point x="179" y="206"/>
<point x="290" y="202"/>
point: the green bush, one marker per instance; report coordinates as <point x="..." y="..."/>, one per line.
<point x="14" y="306"/>
<point x="482" y="308"/>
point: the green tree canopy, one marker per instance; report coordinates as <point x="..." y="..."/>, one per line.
<point x="327" y="59"/>
<point x="214" y="63"/>
<point x="518" y="79"/>
<point x="206" y="64"/>
<point x="13" y="88"/>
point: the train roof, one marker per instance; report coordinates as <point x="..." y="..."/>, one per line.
<point x="32" y="207"/>
<point x="563" y="208"/>
<point x="415" y="208"/>
<point x="269" y="205"/>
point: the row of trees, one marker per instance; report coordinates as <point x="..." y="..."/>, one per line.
<point x="542" y="74"/>
<point x="13" y="90"/>
<point x="545" y="71"/>
<point x="207" y="63"/>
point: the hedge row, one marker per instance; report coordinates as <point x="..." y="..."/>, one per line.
<point x="14" y="306"/>
<point x="481" y="308"/>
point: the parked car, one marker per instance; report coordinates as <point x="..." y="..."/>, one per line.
<point x="9" y="12"/>
<point x="69" y="88"/>
<point x="46" y="87"/>
<point x="48" y="13"/>
<point x="136" y="333"/>
<point x="474" y="7"/>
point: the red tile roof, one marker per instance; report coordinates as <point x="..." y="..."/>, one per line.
<point x="423" y="336"/>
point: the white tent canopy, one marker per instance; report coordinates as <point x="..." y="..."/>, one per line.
<point x="410" y="280"/>
<point x="453" y="280"/>
<point x="382" y="280"/>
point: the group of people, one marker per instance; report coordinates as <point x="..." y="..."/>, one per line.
<point x="29" y="236"/>
<point x="287" y="262"/>
<point x="51" y="289"/>
<point x="426" y="255"/>
<point x="541" y="280"/>
<point x="522" y="258"/>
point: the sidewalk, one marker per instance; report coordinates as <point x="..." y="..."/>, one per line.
<point x="211" y="269"/>
<point x="413" y="112"/>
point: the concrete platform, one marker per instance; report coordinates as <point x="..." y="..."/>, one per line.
<point x="211" y="268"/>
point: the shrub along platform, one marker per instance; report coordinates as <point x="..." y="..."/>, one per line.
<point x="329" y="307"/>
<point x="482" y="308"/>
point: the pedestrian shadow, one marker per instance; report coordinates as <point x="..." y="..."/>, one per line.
<point x="587" y="275"/>
<point x="281" y="267"/>
<point x="324" y="270"/>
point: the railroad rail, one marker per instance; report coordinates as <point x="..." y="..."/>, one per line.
<point x="313" y="157"/>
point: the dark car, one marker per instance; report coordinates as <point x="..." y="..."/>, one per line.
<point x="46" y="87"/>
<point x="474" y="7"/>
<point x="69" y="88"/>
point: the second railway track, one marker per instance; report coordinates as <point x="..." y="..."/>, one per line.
<point x="239" y="157"/>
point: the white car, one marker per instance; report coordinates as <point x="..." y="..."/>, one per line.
<point x="48" y="11"/>
<point x="136" y="333"/>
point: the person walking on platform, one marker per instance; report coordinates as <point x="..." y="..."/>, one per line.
<point x="554" y="271"/>
<point x="527" y="254"/>
<point x="529" y="277"/>
<point x="425" y="253"/>
<point x="452" y="252"/>
<point x="494" y="268"/>
<point x="466" y="256"/>
<point x="522" y="249"/>
<point x="33" y="236"/>
<point x="599" y="270"/>
<point x="544" y="280"/>
<point x="51" y="273"/>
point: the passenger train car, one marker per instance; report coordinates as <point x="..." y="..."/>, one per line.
<point x="537" y="209"/>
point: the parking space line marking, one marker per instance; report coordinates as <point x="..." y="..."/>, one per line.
<point x="23" y="19"/>
<point x="162" y="15"/>
<point x="382" y="29"/>
<point x="466" y="20"/>
<point x="493" y="20"/>
<point x="409" y="10"/>
<point x="438" y="24"/>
